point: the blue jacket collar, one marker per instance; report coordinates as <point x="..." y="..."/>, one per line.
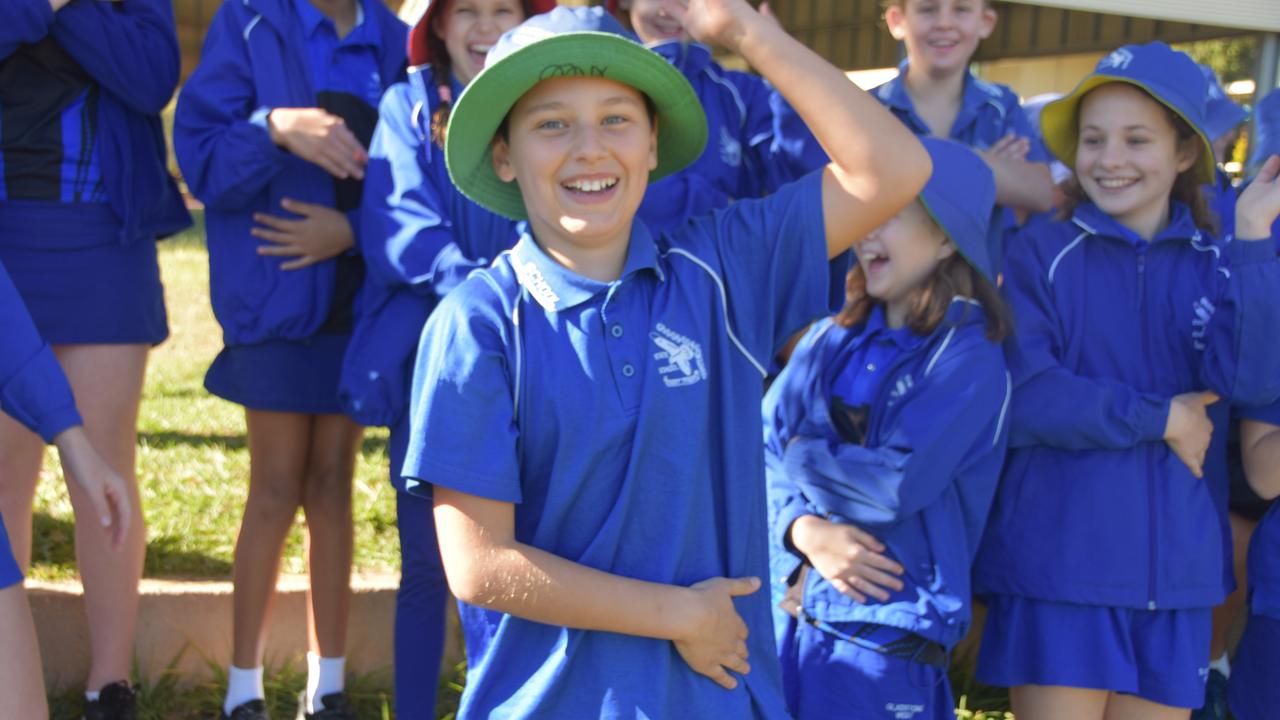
<point x="1094" y="221"/>
<point x="689" y="57"/>
<point x="364" y="33"/>
<point x="976" y="93"/>
<point x="557" y="288"/>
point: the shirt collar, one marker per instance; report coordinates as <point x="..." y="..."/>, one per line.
<point x="362" y="33"/>
<point x="877" y="329"/>
<point x="689" y="57"/>
<point x="557" y="288"/>
<point x="974" y="95"/>
<point x="1094" y="221"/>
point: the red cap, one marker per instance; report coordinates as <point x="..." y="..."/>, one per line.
<point x="420" y="49"/>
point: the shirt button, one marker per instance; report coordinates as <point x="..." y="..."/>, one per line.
<point x="628" y="370"/>
<point x="616" y="330"/>
<point x="871" y="367"/>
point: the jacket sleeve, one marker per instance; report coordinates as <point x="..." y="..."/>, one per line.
<point x="956" y="412"/>
<point x="1052" y="405"/>
<point x="33" y="388"/>
<point x="777" y="145"/>
<point x="787" y="502"/>
<point x="226" y="159"/>
<point x="408" y="238"/>
<point x="130" y="48"/>
<point x="1242" y="345"/>
<point x="23" y="22"/>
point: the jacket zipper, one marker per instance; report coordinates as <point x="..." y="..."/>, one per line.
<point x="1150" y="452"/>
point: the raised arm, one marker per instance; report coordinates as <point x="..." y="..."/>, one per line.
<point x="877" y="166"/>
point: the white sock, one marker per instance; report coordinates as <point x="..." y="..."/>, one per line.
<point x="92" y="696"/>
<point x="1222" y="665"/>
<point x="243" y="685"/>
<point x="324" y="677"/>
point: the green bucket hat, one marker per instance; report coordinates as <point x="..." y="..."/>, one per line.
<point x="566" y="42"/>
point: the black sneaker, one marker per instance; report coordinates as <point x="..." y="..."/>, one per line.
<point x="252" y="710"/>
<point x="117" y="701"/>
<point x="1215" y="698"/>
<point x="334" y="706"/>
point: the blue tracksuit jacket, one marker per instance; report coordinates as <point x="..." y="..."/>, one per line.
<point x="130" y="49"/>
<point x="420" y="238"/>
<point x="922" y="482"/>
<point x="253" y="58"/>
<point x="33" y="388"/>
<point x="1094" y="507"/>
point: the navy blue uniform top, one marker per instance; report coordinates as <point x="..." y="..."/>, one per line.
<point x="420" y="238"/>
<point x="902" y="436"/>
<point x="80" y="95"/>
<point x="622" y="420"/>
<point x="1094" y="507"/>
<point x="33" y="388"/>
<point x="261" y="54"/>
<point x="1264" y="547"/>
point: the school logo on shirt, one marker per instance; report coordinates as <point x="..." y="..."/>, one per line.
<point x="904" y="711"/>
<point x="681" y="356"/>
<point x="1118" y="59"/>
<point x="900" y="388"/>
<point x="533" y="280"/>
<point x="730" y="148"/>
<point x="1202" y="313"/>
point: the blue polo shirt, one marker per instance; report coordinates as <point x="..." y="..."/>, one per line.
<point x="622" y="420"/>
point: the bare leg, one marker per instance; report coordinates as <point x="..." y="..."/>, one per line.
<point x="107" y="382"/>
<point x="21" y="453"/>
<point x="327" y="499"/>
<point x="21" y="679"/>
<point x="1054" y="702"/>
<point x="278" y="447"/>
<point x="1132" y="707"/>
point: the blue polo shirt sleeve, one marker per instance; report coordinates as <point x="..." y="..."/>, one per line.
<point x="226" y="159"/>
<point x="129" y="48"/>
<point x="407" y="235"/>
<point x="1242" y="344"/>
<point x="1052" y="405"/>
<point x="462" y="408"/>
<point x="954" y="414"/>
<point x="23" y="22"/>
<point x="774" y="255"/>
<point x="33" y="388"/>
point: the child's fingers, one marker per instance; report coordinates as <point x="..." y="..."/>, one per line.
<point x="880" y="579"/>
<point x="883" y="563"/>
<point x="286" y="248"/>
<point x="848" y="590"/>
<point x="743" y="585"/>
<point x="304" y="261"/>
<point x="737" y="664"/>
<point x="1269" y="170"/>
<point x="865" y="539"/>
<point x="721" y="677"/>
<point x="275" y="223"/>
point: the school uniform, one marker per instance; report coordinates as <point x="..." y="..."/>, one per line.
<point x="902" y="435"/>
<point x="285" y="331"/>
<point x="84" y="189"/>
<point x="33" y="390"/>
<point x="1104" y="554"/>
<point x="621" y="419"/>
<point x="1252" y="692"/>
<point x="420" y="238"/>
<point x="747" y="154"/>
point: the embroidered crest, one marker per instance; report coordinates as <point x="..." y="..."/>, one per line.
<point x="900" y="388"/>
<point x="730" y="148"/>
<point x="1203" y="313"/>
<point x="683" y="357"/>
<point x="1118" y="59"/>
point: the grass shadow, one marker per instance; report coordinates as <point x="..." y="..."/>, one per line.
<point x="166" y="558"/>
<point x="163" y="439"/>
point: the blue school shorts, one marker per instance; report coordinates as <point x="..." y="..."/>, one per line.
<point x="827" y="678"/>
<point x="295" y="376"/>
<point x="1157" y="655"/>
<point x="1254" y="689"/>
<point x="105" y="293"/>
<point x="10" y="575"/>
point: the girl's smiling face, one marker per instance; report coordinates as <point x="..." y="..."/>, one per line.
<point x="581" y="149"/>
<point x="1128" y="156"/>
<point x="470" y="27"/>
<point x="941" y="35"/>
<point x="899" y="256"/>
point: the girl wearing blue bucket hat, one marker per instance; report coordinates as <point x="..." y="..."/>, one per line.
<point x="587" y="409"/>
<point x="1104" y="551"/>
<point x="420" y="238"/>
<point x="884" y="438"/>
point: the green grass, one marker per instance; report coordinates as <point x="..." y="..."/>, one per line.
<point x="193" y="466"/>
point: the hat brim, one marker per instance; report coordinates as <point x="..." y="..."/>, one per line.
<point x="1059" y="124"/>
<point x="486" y="101"/>
<point x="976" y="257"/>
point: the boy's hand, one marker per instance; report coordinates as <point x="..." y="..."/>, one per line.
<point x="107" y="491"/>
<point x="1259" y="204"/>
<point x="847" y="557"/>
<point x="318" y="137"/>
<point x="1010" y="146"/>
<point x="320" y="234"/>
<point x="1188" y="429"/>
<point x="717" y="22"/>
<point x="717" y="641"/>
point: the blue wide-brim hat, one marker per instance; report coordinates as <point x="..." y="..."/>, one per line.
<point x="566" y="42"/>
<point x="1266" y="130"/>
<point x="961" y="197"/>
<point x="1169" y="76"/>
<point x="1222" y="114"/>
